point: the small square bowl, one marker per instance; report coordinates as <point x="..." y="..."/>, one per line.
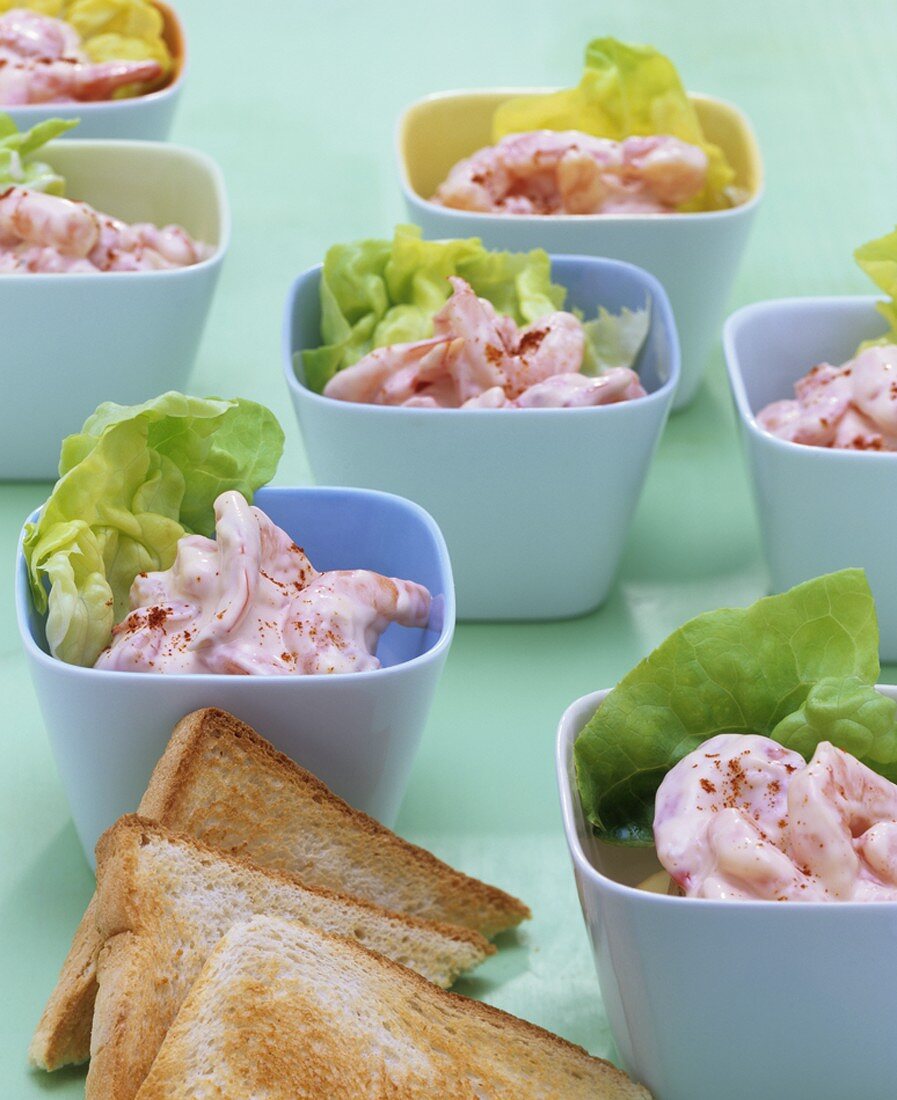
<point x="819" y="509"/>
<point x="695" y="256"/>
<point x="139" y="118"/>
<point x="535" y="504"/>
<point x="735" y="999"/>
<point x="81" y="339"/>
<point x="357" y="731"/>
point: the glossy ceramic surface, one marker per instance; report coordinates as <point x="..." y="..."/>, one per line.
<point x="77" y="340"/>
<point x="819" y="509"/>
<point x="732" y="999"/>
<point x="535" y="504"/>
<point x="357" y="731"/>
<point x="695" y="256"/>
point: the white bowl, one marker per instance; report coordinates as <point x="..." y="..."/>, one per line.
<point x="137" y="118"/>
<point x="695" y="256"/>
<point x="819" y="509"/>
<point x="535" y="504"/>
<point x="733" y="999"/>
<point x="78" y="340"/>
<point x="357" y="731"/>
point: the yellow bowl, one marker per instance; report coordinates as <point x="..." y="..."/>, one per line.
<point x="695" y="256"/>
<point x="436" y="132"/>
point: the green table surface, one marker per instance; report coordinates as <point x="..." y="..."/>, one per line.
<point x="297" y="101"/>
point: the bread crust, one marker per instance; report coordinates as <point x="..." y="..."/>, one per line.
<point x="62" y="1036"/>
<point x="154" y="919"/>
<point x="255" y="1023"/>
<point x="464" y="900"/>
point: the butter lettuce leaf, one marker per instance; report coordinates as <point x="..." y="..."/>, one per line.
<point x="625" y="91"/>
<point x="18" y="168"/>
<point x="739" y="670"/>
<point x="133" y="482"/>
<point x="375" y="293"/>
<point x="615" y="339"/>
<point x="853" y="716"/>
<point x="878" y="259"/>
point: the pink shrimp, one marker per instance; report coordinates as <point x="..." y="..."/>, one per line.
<point x="415" y="365"/>
<point x="568" y="391"/>
<point x="27" y="34"/>
<point x="32" y="218"/>
<point x="569" y="172"/>
<point x="251" y="603"/>
<point x="46" y="233"/>
<point x="853" y="407"/>
<point x="479" y="359"/>
<point x="41" y="61"/>
<point x="65" y="81"/>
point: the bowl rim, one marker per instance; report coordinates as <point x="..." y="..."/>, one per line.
<point x="664" y="392"/>
<point x="174" y="26"/>
<point x="759" y="436"/>
<point x="208" y="680"/>
<point x="572" y="721"/>
<point x="86" y="147"/>
<point x="414" y="199"/>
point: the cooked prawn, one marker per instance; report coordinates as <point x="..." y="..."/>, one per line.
<point x="47" y="233"/>
<point x="569" y="172"/>
<point x="41" y="61"/>
<point x="479" y="359"/>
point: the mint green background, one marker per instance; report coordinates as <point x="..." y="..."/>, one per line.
<point x="297" y="99"/>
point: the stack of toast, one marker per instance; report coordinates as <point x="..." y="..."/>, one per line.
<point x="253" y="935"/>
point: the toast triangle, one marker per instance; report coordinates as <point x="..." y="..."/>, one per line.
<point x="285" y="1012"/>
<point x="221" y="782"/>
<point x="163" y="902"/>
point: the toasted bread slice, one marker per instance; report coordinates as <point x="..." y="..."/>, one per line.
<point x="163" y="902"/>
<point x="288" y="1013"/>
<point x="222" y="783"/>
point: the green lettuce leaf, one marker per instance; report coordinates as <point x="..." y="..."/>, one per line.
<point x="740" y="670"/>
<point x="17" y="166"/>
<point x="878" y="259"/>
<point x="132" y="482"/>
<point x="853" y="716"/>
<point x="615" y="339"/>
<point x="375" y="293"/>
<point x="625" y="91"/>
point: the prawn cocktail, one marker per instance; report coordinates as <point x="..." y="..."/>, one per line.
<point x="80" y="58"/>
<point x="455" y="326"/>
<point x="41" y="231"/>
<point x="626" y="140"/>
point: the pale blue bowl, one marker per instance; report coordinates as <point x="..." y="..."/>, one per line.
<point x="358" y="732"/>
<point x="819" y="509"/>
<point x="80" y="339"/>
<point x="535" y="504"/>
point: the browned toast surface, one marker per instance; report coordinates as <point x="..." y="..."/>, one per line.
<point x="221" y="782"/>
<point x="285" y="1012"/>
<point x="163" y="902"/>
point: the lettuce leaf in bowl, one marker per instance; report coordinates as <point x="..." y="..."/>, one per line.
<point x="18" y="168"/>
<point x="768" y="669"/>
<point x="878" y="259"/>
<point x="625" y="91"/>
<point x="375" y="293"/>
<point x="132" y="482"/>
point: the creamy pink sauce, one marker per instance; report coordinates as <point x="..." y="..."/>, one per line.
<point x="47" y="234"/>
<point x="852" y="407"/>
<point x="250" y="602"/>
<point x="743" y="817"/>
<point x="570" y="172"/>
<point x="42" y="61"/>
<point x="479" y="359"/>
